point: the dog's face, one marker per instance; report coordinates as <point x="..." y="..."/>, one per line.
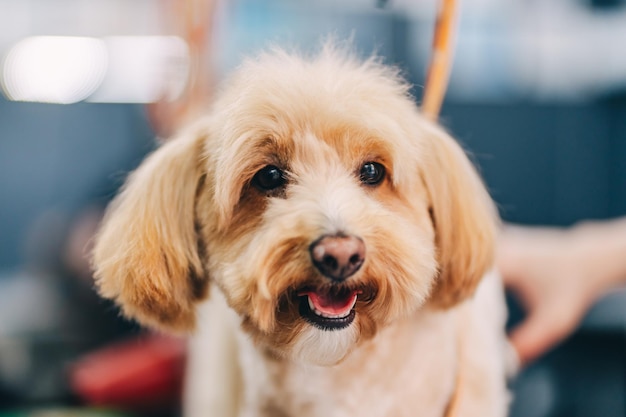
<point x="315" y="197"/>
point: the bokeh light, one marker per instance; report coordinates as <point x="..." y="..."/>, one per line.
<point x="54" y="69"/>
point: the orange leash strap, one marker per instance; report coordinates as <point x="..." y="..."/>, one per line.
<point x="441" y="59"/>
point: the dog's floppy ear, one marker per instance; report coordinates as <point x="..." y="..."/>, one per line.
<point x="146" y="253"/>
<point x="464" y="219"/>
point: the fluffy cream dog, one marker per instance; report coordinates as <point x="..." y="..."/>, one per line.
<point x="339" y="239"/>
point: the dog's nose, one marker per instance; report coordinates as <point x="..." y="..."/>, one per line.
<point x="338" y="257"/>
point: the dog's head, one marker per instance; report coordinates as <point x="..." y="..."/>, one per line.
<point x="315" y="197"/>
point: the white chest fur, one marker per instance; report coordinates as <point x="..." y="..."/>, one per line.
<point x="408" y="369"/>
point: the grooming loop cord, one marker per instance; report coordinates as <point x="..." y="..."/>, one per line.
<point x="441" y="58"/>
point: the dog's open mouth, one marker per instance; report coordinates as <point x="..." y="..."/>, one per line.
<point x="328" y="308"/>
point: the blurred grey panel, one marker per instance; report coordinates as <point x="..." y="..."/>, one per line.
<point x="514" y="146"/>
<point x="552" y="164"/>
<point x="253" y="26"/>
<point x="61" y="158"/>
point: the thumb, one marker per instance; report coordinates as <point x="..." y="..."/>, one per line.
<point x="538" y="333"/>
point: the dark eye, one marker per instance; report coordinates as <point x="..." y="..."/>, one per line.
<point x="269" y="178"/>
<point x="372" y="173"/>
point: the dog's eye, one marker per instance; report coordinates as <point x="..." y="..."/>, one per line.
<point x="269" y="178"/>
<point x="372" y="173"/>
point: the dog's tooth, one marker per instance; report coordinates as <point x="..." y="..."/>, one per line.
<point x="335" y="316"/>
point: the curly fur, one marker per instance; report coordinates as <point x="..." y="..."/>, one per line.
<point x="190" y="219"/>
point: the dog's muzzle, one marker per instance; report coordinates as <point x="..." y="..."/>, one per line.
<point x="331" y="306"/>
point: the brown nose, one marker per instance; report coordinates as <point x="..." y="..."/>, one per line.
<point x="336" y="256"/>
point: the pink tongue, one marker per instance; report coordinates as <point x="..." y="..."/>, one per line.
<point x="332" y="304"/>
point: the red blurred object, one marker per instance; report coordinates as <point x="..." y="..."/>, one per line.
<point x="143" y="373"/>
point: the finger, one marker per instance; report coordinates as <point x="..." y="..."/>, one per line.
<point x="538" y="334"/>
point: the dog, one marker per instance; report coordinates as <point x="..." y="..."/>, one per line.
<point x="330" y="246"/>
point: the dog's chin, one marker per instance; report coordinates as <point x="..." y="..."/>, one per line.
<point x="315" y="346"/>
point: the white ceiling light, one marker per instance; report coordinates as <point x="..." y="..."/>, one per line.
<point x="54" y="69"/>
<point x="144" y="69"/>
<point x="117" y="69"/>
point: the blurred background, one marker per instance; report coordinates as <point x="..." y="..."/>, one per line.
<point x="537" y="94"/>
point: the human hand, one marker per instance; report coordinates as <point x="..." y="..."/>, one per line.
<point x="553" y="273"/>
